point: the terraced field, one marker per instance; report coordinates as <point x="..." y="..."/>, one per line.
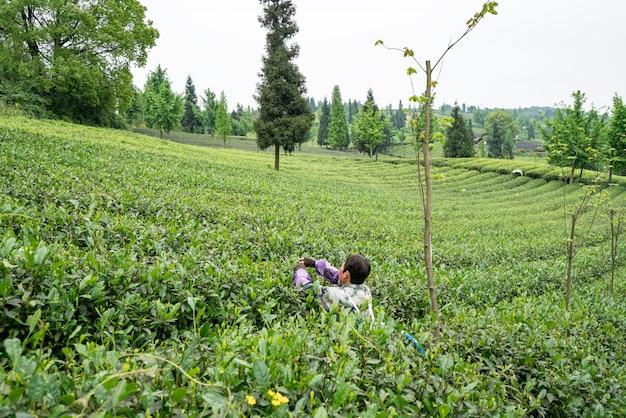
<point x="142" y="277"/>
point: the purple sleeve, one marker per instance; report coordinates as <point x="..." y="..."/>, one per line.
<point x="328" y="272"/>
<point x="301" y="277"/>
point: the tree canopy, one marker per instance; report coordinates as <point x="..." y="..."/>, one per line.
<point x="617" y="138"/>
<point x="285" y="117"/>
<point x="322" y="133"/>
<point x="72" y="59"/>
<point x="574" y="136"/>
<point x="164" y="109"/>
<point x="338" y="136"/>
<point x="223" y="124"/>
<point x="370" y="124"/>
<point x="191" y="122"/>
<point x="501" y="130"/>
<point x="459" y="137"/>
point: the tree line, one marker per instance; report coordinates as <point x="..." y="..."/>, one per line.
<point x="72" y="61"/>
<point x="158" y="107"/>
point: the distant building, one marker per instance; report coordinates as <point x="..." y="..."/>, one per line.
<point x="528" y="146"/>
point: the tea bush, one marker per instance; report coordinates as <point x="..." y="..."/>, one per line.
<point x="141" y="277"/>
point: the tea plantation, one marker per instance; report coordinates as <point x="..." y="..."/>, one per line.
<point x="144" y="278"/>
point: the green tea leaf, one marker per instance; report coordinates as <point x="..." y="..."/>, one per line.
<point x="214" y="399"/>
<point x="341" y="394"/>
<point x="192" y="302"/>
<point x="320" y="413"/>
<point x="37" y="387"/>
<point x="13" y="347"/>
<point x="178" y="394"/>
<point x="261" y="372"/>
<point x="206" y="329"/>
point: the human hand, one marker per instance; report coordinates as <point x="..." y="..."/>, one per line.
<point x="299" y="265"/>
<point x="308" y="262"/>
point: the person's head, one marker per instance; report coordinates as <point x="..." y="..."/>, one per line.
<point x="354" y="270"/>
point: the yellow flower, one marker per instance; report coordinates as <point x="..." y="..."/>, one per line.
<point x="251" y="400"/>
<point x="278" y="399"/>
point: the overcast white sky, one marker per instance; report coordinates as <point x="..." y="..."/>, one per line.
<point x="533" y="53"/>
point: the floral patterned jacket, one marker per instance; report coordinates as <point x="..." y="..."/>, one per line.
<point x="356" y="297"/>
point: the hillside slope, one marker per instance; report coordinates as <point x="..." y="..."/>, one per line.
<point x="143" y="275"/>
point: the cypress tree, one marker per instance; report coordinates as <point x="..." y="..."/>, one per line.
<point x="399" y="118"/>
<point x="370" y="125"/>
<point x="190" y="121"/>
<point x="284" y="114"/>
<point x="459" y="139"/>
<point x="322" y="133"/>
<point x="338" y="129"/>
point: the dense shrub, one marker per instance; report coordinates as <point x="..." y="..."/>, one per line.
<point x="141" y="277"/>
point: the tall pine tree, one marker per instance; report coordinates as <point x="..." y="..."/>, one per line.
<point x="284" y="115"/>
<point x="338" y="137"/>
<point x="322" y="133"/>
<point x="459" y="139"/>
<point x="399" y="118"/>
<point x="370" y="125"/>
<point x="191" y="122"/>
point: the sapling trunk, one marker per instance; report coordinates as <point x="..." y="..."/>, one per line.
<point x="428" y="251"/>
<point x="570" y="261"/>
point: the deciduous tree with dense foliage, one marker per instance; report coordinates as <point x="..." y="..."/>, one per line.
<point x="459" y="138"/>
<point x="73" y="58"/>
<point x="209" y="111"/>
<point x="500" y="128"/>
<point x="617" y="139"/>
<point x="164" y="109"/>
<point x="285" y="117"/>
<point x="223" y="124"/>
<point x="338" y="136"/>
<point x="574" y="137"/>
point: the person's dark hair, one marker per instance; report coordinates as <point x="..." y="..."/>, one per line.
<point x="359" y="268"/>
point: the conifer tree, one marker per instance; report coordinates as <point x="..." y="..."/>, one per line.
<point x="191" y="122"/>
<point x="459" y="139"/>
<point x="338" y="137"/>
<point x="399" y="118"/>
<point x="284" y="115"/>
<point x="322" y="133"/>
<point x="370" y="125"/>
